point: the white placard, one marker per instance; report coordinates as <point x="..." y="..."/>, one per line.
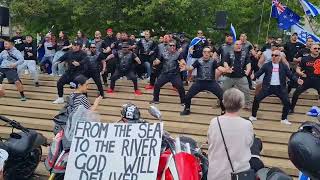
<point x="102" y="151"/>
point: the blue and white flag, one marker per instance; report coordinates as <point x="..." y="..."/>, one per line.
<point x="303" y="34"/>
<point x="233" y="33"/>
<point x="309" y="8"/>
<point x="303" y="177"/>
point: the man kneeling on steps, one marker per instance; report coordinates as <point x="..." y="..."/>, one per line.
<point x="10" y="58"/>
<point x="206" y="68"/>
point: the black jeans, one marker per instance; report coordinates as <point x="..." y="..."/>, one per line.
<point x="279" y="92"/>
<point x="199" y="86"/>
<point x="66" y="78"/>
<point x="308" y="84"/>
<point x="131" y="75"/>
<point x="95" y="75"/>
<point x="156" y="71"/>
<point x="175" y="80"/>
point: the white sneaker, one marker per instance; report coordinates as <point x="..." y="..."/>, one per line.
<point x="286" y="122"/>
<point x="251" y="118"/>
<point x="60" y="100"/>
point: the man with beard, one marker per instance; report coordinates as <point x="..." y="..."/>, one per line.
<point x="125" y="67"/>
<point x="170" y="72"/>
<point x="146" y="51"/>
<point x="239" y="61"/>
<point x="205" y="80"/>
<point x="77" y="61"/>
<point x="10" y="58"/>
<point x="309" y="70"/>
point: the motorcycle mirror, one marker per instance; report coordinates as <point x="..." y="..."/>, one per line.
<point x="155" y="112"/>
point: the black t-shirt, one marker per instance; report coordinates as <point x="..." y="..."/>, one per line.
<point x="79" y="56"/>
<point x="308" y="64"/>
<point x="291" y="49"/>
<point x="304" y="52"/>
<point x="238" y="66"/>
<point x="61" y="43"/>
<point x="108" y="41"/>
<point x="198" y="48"/>
<point x="18" y="42"/>
<point x="31" y="48"/>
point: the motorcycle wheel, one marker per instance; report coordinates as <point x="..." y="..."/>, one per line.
<point x="23" y="170"/>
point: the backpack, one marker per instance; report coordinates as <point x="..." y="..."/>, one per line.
<point x="272" y="174"/>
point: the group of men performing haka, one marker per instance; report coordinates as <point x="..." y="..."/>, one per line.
<point x="167" y="63"/>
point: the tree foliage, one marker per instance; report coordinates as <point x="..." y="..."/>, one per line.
<point x="135" y="15"/>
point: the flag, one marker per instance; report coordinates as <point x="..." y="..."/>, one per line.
<point x="309" y="8"/>
<point x="233" y="33"/>
<point x="287" y="18"/>
<point x="277" y="8"/>
<point x="303" y="34"/>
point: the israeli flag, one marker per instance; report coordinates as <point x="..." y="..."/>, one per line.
<point x="309" y="8"/>
<point x="233" y="33"/>
<point x="303" y="34"/>
<point x="303" y="177"/>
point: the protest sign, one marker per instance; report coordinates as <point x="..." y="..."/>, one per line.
<point x="102" y="151"/>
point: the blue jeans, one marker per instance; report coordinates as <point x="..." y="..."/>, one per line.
<point x="58" y="69"/>
<point x="47" y="60"/>
<point x="148" y="68"/>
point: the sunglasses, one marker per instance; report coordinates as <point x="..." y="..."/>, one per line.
<point x="200" y="33"/>
<point x="275" y="55"/>
<point x="92" y="47"/>
<point x="172" y="45"/>
<point x="316" y="48"/>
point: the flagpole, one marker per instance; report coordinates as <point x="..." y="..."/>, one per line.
<point x="269" y="22"/>
<point x="261" y="17"/>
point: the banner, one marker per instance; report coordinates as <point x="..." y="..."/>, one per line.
<point x="101" y="151"/>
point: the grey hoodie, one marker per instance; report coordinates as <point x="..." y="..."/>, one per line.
<point x="9" y="57"/>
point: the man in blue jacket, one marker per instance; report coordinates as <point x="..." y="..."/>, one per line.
<point x="10" y="58"/>
<point x="274" y="82"/>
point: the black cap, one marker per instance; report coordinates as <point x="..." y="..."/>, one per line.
<point x="125" y="45"/>
<point x="227" y="34"/>
<point x="76" y="43"/>
<point x="294" y="34"/>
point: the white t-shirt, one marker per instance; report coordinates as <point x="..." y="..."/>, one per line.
<point x="275" y="78"/>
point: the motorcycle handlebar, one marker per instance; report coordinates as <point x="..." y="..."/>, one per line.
<point x="14" y="124"/>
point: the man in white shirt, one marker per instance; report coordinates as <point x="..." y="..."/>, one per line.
<point x="274" y="82"/>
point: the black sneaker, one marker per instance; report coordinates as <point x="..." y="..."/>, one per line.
<point x="36" y="84"/>
<point x="154" y="102"/>
<point x="185" y="112"/>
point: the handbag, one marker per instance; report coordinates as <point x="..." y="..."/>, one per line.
<point x="244" y="175"/>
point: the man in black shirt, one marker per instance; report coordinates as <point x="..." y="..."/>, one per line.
<point x="18" y="40"/>
<point x="170" y="72"/>
<point x="108" y="45"/>
<point x="96" y="66"/>
<point x="291" y="48"/>
<point x="240" y="63"/>
<point x="309" y="70"/>
<point x="146" y="52"/>
<point x="205" y="80"/>
<point x="125" y="67"/>
<point x="77" y="61"/>
<point x="304" y="52"/>
<point x="225" y="48"/>
<point x="30" y="57"/>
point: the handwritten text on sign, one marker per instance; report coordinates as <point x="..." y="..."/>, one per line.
<point x="101" y="151"/>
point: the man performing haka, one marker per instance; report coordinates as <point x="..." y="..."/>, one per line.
<point x="10" y="58"/>
<point x="206" y="68"/>
<point x="170" y="72"/>
<point x="125" y="67"/>
<point x="309" y="70"/>
<point x="274" y="82"/>
<point x="77" y="61"/>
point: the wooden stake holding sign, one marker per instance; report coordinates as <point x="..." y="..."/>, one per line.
<point x="101" y="151"/>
